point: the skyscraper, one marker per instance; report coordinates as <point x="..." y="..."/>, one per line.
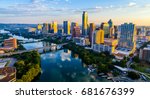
<point x="60" y="31"/>
<point x="73" y="24"/>
<point x="105" y="27"/>
<point x="54" y="26"/>
<point x="66" y="25"/>
<point x="128" y="36"/>
<point x="99" y="36"/>
<point x="85" y="23"/>
<point x="76" y="31"/>
<point x="45" y="29"/>
<point x="39" y="27"/>
<point x="92" y="29"/>
<point x="50" y="27"/>
<point x="111" y="29"/>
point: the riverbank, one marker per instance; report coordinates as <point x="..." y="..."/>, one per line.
<point x="28" y="66"/>
<point x="101" y="61"/>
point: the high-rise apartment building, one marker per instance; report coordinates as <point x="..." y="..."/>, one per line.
<point x="111" y="29"/>
<point x="128" y="36"/>
<point x="45" y="29"/>
<point x="66" y="25"/>
<point x="105" y="27"/>
<point x="92" y="29"/>
<point x="60" y="31"/>
<point x="85" y="23"/>
<point x="54" y="27"/>
<point x="76" y="31"/>
<point x="73" y="24"/>
<point x="50" y="27"/>
<point x="99" y="39"/>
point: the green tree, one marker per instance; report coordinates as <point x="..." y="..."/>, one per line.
<point x="136" y="59"/>
<point x="133" y="75"/>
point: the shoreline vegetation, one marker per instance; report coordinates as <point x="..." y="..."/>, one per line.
<point x="28" y="66"/>
<point x="101" y="61"/>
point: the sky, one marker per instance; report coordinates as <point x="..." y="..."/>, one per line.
<point x="45" y="11"/>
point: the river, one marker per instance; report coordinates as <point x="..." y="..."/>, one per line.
<point x="63" y="66"/>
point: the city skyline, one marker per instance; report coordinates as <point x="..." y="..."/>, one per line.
<point x="45" y="11"/>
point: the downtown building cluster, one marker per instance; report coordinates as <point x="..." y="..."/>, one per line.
<point x="119" y="40"/>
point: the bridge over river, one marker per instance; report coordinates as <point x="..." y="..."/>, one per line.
<point x="35" y="49"/>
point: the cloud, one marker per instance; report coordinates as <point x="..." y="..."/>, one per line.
<point x="132" y="4"/>
<point x="98" y="7"/>
<point x="147" y="6"/>
<point x="35" y="8"/>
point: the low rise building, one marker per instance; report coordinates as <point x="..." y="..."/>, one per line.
<point x="109" y="45"/>
<point x="145" y="54"/>
<point x="30" y="29"/>
<point x="81" y="41"/>
<point x="5" y="49"/>
<point x="3" y="64"/>
<point x="11" y="42"/>
<point x="8" y="74"/>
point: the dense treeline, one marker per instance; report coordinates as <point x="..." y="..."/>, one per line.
<point x="28" y="66"/>
<point x="102" y="61"/>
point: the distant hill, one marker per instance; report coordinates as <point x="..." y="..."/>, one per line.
<point x="14" y="26"/>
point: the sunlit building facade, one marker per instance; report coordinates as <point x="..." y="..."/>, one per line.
<point x="39" y="27"/>
<point x="128" y="36"/>
<point x="105" y="27"/>
<point x="85" y="23"/>
<point x="99" y="36"/>
<point x="11" y="42"/>
<point x="127" y="41"/>
<point x="67" y="26"/>
<point x="111" y="29"/>
<point x="101" y="44"/>
<point x="54" y="27"/>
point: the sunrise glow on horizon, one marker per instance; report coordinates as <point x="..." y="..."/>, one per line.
<point x="45" y="11"/>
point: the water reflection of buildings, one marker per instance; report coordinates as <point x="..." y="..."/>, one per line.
<point x="45" y="44"/>
<point x="66" y="56"/>
<point x="67" y="51"/>
<point x="49" y="46"/>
